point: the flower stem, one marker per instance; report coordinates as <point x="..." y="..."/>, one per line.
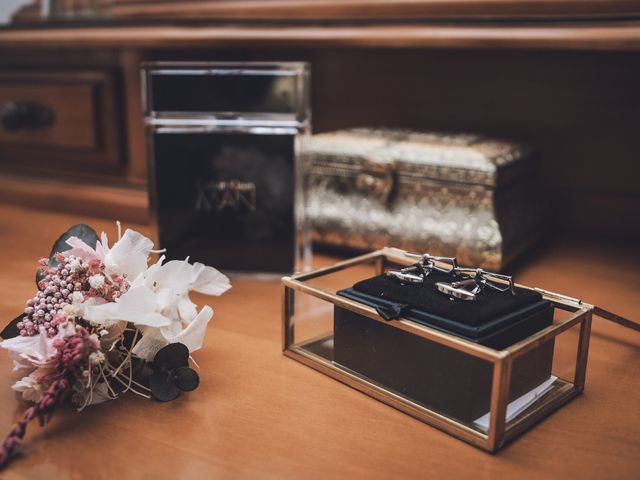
<point x="43" y="410"/>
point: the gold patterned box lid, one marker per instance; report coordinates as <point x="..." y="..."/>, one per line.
<point x="450" y="157"/>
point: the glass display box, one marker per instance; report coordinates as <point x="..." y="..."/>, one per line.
<point x="226" y="164"/>
<point x="485" y="396"/>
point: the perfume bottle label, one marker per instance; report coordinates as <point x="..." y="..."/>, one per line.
<point x="229" y="194"/>
<point x="226" y="199"/>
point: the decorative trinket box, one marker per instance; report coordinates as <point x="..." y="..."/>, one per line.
<point x="225" y="170"/>
<point x="460" y="195"/>
<point x="484" y="371"/>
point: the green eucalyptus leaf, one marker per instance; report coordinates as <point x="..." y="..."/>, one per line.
<point x="84" y="232"/>
<point x="172" y="356"/>
<point x="39" y="276"/>
<point x="186" y="379"/>
<point x="162" y="386"/>
<point x="11" y="330"/>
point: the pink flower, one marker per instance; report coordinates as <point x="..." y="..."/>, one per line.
<point x="35" y="384"/>
<point x="35" y="358"/>
<point x="127" y="257"/>
<point x="43" y="264"/>
<point x="29" y="353"/>
<point x="95" y="266"/>
<point x="58" y="319"/>
<point x="81" y="250"/>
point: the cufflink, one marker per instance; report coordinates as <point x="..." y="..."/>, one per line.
<point x="474" y="284"/>
<point x="420" y="270"/>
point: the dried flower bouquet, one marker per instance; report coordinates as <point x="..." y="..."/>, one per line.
<point x="104" y="322"/>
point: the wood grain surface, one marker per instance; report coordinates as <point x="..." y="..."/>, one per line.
<point x="75" y="196"/>
<point x="258" y="414"/>
<point x="606" y="35"/>
<point x="339" y="9"/>
<point x="368" y="9"/>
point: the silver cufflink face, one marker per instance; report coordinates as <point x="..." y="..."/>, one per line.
<point x="466" y="290"/>
<point x="420" y="270"/>
<point x="476" y="281"/>
<point x="405" y="277"/>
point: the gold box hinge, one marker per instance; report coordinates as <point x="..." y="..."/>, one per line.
<point x="559" y="296"/>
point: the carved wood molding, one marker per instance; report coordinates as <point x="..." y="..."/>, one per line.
<point x="336" y="10"/>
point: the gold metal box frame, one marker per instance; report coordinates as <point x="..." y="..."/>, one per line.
<point x="499" y="433"/>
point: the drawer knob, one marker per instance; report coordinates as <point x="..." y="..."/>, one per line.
<point x="24" y="115"/>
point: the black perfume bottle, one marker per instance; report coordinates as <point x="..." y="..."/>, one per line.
<point x="225" y="163"/>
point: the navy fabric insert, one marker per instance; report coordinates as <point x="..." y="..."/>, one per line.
<point x="489" y="305"/>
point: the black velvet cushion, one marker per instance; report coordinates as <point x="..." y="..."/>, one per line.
<point x="489" y="305"/>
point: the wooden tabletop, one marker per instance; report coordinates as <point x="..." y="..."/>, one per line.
<point x="258" y="414"/>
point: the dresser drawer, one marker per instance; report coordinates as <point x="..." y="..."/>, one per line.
<point x="68" y="117"/>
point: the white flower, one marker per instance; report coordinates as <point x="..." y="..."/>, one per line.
<point x="129" y="255"/>
<point x="77" y="297"/>
<point x="138" y="305"/>
<point x="96" y="358"/>
<point x="160" y="296"/>
<point x="171" y="283"/>
<point x="33" y="385"/>
<point x="157" y="300"/>
<point x="111" y="333"/>
<point x="208" y="280"/>
<point x="158" y="303"/>
<point x="75" y="265"/>
<point x="153" y="339"/>
<point x="71" y="311"/>
<point x="96" y="281"/>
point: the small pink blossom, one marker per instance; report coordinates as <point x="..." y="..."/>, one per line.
<point x="43" y="264"/>
<point x="95" y="265"/>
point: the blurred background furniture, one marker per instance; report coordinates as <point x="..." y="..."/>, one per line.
<point x="560" y="75"/>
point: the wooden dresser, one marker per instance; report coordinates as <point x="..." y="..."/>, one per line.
<point x="561" y="75"/>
